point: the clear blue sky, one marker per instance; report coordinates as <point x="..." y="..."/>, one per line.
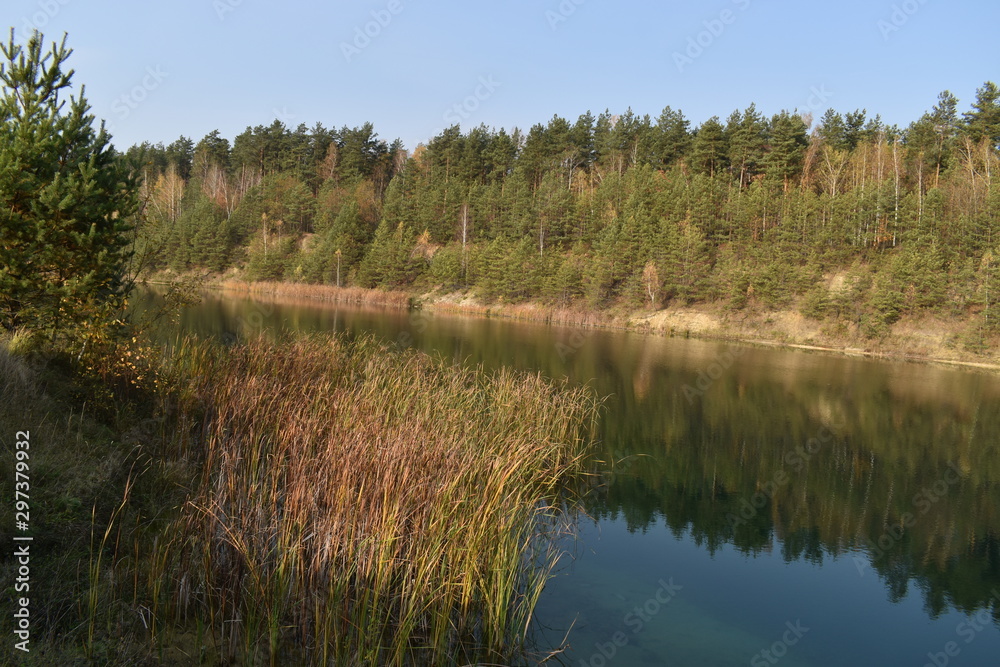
<point x="191" y="66"/>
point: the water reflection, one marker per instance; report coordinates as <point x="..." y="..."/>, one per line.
<point x="875" y="471"/>
<point x="823" y="456"/>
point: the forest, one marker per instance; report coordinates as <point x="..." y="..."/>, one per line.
<point x="843" y="218"/>
<point x="342" y="499"/>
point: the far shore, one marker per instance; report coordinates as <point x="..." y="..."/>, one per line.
<point x="924" y="340"/>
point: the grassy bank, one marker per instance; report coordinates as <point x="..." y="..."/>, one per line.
<point x="329" y="293"/>
<point x="92" y="436"/>
<point x="306" y="502"/>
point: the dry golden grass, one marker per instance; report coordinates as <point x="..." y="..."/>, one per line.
<point x="352" y="295"/>
<point x="531" y="312"/>
<point x="370" y="507"/>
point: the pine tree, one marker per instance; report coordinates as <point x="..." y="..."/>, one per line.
<point x="565" y="284"/>
<point x="672" y="138"/>
<point x="348" y="233"/>
<point x="689" y="264"/>
<point x="983" y="122"/>
<point x="788" y="148"/>
<point x="857" y="128"/>
<point x="446" y="268"/>
<point x="389" y="261"/>
<point x="709" y="148"/>
<point x="582" y="138"/>
<point x="746" y="134"/>
<point x="66" y="200"/>
<point x="831" y="130"/>
<point x="946" y="125"/>
<point x="180" y="155"/>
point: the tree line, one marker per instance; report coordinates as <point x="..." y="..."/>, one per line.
<point x="843" y="217"/>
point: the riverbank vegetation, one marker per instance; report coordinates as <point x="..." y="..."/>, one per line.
<point x="375" y="507"/>
<point x="328" y="293"/>
<point x="306" y="501"/>
<point x="843" y="220"/>
<point x="312" y="500"/>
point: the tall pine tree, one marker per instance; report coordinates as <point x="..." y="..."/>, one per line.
<point x="66" y="200"/>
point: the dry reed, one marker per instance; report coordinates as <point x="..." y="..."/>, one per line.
<point x="533" y="312"/>
<point x="371" y="507"/>
<point x="328" y="293"/>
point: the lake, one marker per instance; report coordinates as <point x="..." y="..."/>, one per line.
<point x="754" y="506"/>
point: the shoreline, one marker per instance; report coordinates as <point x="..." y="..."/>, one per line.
<point x="702" y="323"/>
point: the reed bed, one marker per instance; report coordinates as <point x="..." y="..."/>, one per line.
<point x="329" y="293"/>
<point x="362" y="506"/>
<point x="533" y="312"/>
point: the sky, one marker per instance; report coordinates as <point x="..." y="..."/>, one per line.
<point x="158" y="70"/>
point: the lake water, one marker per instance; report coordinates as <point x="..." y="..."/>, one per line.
<point x="756" y="506"/>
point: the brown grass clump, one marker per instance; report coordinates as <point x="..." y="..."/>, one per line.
<point x="328" y="293"/>
<point x="370" y="507"/>
<point x="530" y="312"/>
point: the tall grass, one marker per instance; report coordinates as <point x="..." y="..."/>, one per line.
<point x="330" y="293"/>
<point x="534" y="312"/>
<point x="84" y="471"/>
<point x="362" y="506"/>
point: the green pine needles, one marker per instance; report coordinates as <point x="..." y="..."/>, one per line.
<point x="66" y="201"/>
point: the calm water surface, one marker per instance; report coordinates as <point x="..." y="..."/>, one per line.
<point x="756" y="506"/>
